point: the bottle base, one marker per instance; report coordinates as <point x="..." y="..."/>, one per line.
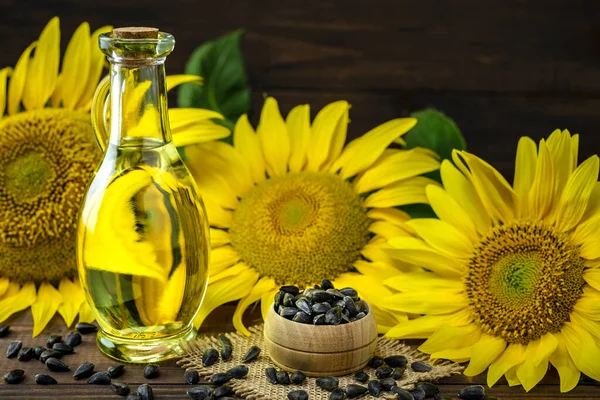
<point x="144" y="351"/>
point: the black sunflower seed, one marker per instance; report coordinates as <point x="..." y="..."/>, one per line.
<point x="252" y="353"/>
<point x="85" y="370"/>
<point x="220" y="379"/>
<point x="333" y="316"/>
<point x="191" y="377"/>
<point x="319" y="319"/>
<point x="361" y="376"/>
<point x="298" y="377"/>
<point x="56" y="365"/>
<point x="374" y="388"/>
<point x="222" y="391"/>
<point x="46" y="354"/>
<point x="304" y="305"/>
<point x="398" y="373"/>
<point x="200" y="393"/>
<point x="329" y="383"/>
<point x="376" y="362"/>
<point x="383" y="372"/>
<point x="99" y="378"/>
<point x="319" y="296"/>
<point x="283" y="378"/>
<point x="120" y="388"/>
<point x="350" y="306"/>
<point x="152" y="371"/>
<point x="288" y="300"/>
<point x="387" y="384"/>
<point x="44" y="379"/>
<point x="145" y="392"/>
<point x="345" y="320"/>
<point x="302" y="318"/>
<point x="353" y="391"/>
<point x="326" y="284"/>
<point x="13" y="377"/>
<point x="84" y="328"/>
<point x="63" y="348"/>
<point x="429" y="388"/>
<point x="293" y="290"/>
<point x="335" y="294"/>
<point x="271" y="374"/>
<point x="239" y="372"/>
<point x="337" y="394"/>
<point x="225" y="341"/>
<point x="209" y="357"/>
<point x="396" y="361"/>
<point x="419" y="366"/>
<point x="37" y="352"/>
<point x="134" y="396"/>
<point x="278" y="300"/>
<point x="320" y="308"/>
<point x="472" y="393"/>
<point x="287" y="312"/>
<point x="361" y="307"/>
<point x="297" y="395"/>
<point x="52" y="340"/>
<point x="25" y="354"/>
<point x="402" y="394"/>
<point x="116" y="371"/>
<point x="14" y="348"/>
<point x="73" y="339"/>
<point x="418" y="394"/>
<point x="4" y="330"/>
<point x="226" y="352"/>
<point x="349" y="292"/>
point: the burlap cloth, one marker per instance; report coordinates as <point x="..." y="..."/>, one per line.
<point x="256" y="386"/>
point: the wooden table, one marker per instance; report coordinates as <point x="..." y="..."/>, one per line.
<point x="170" y="384"/>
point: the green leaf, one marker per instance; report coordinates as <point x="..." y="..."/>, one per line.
<point x="419" y="210"/>
<point x="224" y="89"/>
<point x="435" y="131"/>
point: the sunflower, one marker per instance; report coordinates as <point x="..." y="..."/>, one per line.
<point x="290" y="204"/>
<point x="512" y="280"/>
<point x="48" y="157"/>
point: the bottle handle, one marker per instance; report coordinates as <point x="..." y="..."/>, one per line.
<point x="100" y="103"/>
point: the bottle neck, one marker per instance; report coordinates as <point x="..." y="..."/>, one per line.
<point x="138" y="111"/>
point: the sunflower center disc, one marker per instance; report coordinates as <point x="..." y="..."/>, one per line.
<point x="27" y="175"/>
<point x="523" y="282"/>
<point x="300" y="228"/>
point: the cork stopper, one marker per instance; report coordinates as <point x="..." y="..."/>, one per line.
<point x="136" y="32"/>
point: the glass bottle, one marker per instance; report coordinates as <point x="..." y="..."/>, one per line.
<point x="142" y="243"/>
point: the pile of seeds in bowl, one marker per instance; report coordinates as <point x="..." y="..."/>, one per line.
<point x="320" y="305"/>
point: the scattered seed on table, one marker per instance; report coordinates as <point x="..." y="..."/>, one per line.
<point x="13" y="377"/>
<point x="85" y="370"/>
<point x="398" y="373"/>
<point x="419" y="366"/>
<point x="222" y="391"/>
<point x="429" y="388"/>
<point x="298" y="377"/>
<point x="402" y="394"/>
<point x="383" y="372"/>
<point x="374" y="388"/>
<point x="376" y="362"/>
<point x="99" y="378"/>
<point x="252" y="353"/>
<point x="472" y="393"/>
<point x="25" y="354"/>
<point x="145" y="392"/>
<point x="151" y="371"/>
<point x="353" y="391"/>
<point x="56" y="365"/>
<point x="396" y="361"/>
<point x="337" y="394"/>
<point x="226" y="352"/>
<point x="361" y="376"/>
<point x="329" y="383"/>
<point x="387" y="384"/>
<point x="134" y="396"/>
<point x="46" y="354"/>
<point x="116" y="371"/>
<point x="191" y="377"/>
<point x="73" y="339"/>
<point x="200" y="393"/>
<point x="283" y="378"/>
<point x="209" y="357"/>
<point x="14" y="348"/>
<point x="225" y="340"/>
<point x="4" y="330"/>
<point x="238" y="372"/>
<point x="297" y="395"/>
<point x="271" y="374"/>
<point x="44" y="379"/>
<point x="120" y="388"/>
<point x="37" y="352"/>
<point x="52" y="340"/>
<point x="63" y="348"/>
<point x="84" y="328"/>
<point x="418" y="394"/>
<point x="220" y="379"/>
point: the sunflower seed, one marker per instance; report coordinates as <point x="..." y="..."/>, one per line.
<point x="54" y="364"/>
<point x="396" y="361"/>
<point x="225" y="341"/>
<point x="333" y="316"/>
<point x="44" y="379"/>
<point x="151" y="371"/>
<point x="429" y="388"/>
<point x="319" y="319"/>
<point x="383" y="372"/>
<point x="320" y="308"/>
<point x="120" y="388"/>
<point x="419" y="366"/>
<point x="145" y="392"/>
<point x="226" y="352"/>
<point x="4" y="330"/>
<point x="200" y="393"/>
<point x="85" y="328"/>
<point x="302" y="318"/>
<point x="387" y="384"/>
<point x="472" y="393"/>
<point x="283" y="378"/>
<point x="374" y="388"/>
<point x="222" y="391"/>
<point x="376" y="362"/>
<point x="116" y="370"/>
<point x="84" y="370"/>
<point x="337" y="394"/>
<point x="288" y="300"/>
<point x="239" y="372"/>
<point x="25" y="354"/>
<point x="63" y="348"/>
<point x="13" y="377"/>
<point x="304" y="305"/>
<point x="319" y="296"/>
<point x="46" y="354"/>
<point x="134" y="396"/>
<point x="349" y="292"/>
<point x="52" y="340"/>
<point x="191" y="377"/>
<point x="350" y="306"/>
<point x="398" y="372"/>
<point x="252" y="353"/>
<point x="99" y="378"/>
<point x="288" y="312"/>
<point x="293" y="290"/>
<point x="220" y="379"/>
<point x="278" y="300"/>
<point x="14" y="348"/>
<point x="209" y="357"/>
<point x="297" y="395"/>
<point x="271" y="374"/>
<point x="73" y="339"/>
<point x="335" y="294"/>
<point x="37" y="352"/>
<point x="361" y="376"/>
<point x="418" y="394"/>
<point x="402" y="394"/>
<point x="298" y="377"/>
<point x="361" y="306"/>
<point x="329" y="383"/>
<point x="353" y="391"/>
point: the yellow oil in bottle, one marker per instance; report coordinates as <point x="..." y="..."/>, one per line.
<point x="143" y="250"/>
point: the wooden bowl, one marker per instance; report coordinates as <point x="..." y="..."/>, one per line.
<point x="320" y="350"/>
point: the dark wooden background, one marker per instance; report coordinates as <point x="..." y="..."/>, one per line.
<point x="500" y="68"/>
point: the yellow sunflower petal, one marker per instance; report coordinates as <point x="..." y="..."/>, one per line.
<point x="95" y="69"/>
<point x="172" y="81"/>
<point x="217" y="215"/>
<point x="17" y="300"/>
<point x="421" y="281"/>
<point x="567" y="370"/>
<point x="298" y="126"/>
<point x="592" y="327"/>
<point x="218" y="238"/>
<point x="266" y="301"/>
<point x="408" y="191"/>
<point x="376" y="268"/>
<point x="448" y="210"/>
<point x="43" y="69"/>
<point x="511" y="377"/>
<point x="587" y="235"/>
<point x="445" y="301"/>
<point x="46" y="304"/>
<point x="246" y="142"/>
<point x="215" y="187"/>
<point x="583" y="349"/>
<point x="85" y="313"/>
<point x="72" y="296"/>
<point x="387" y="230"/>
<point x="180" y="118"/>
<point x="423" y="327"/>
<point x="391" y="215"/>
<point x="443" y="237"/>
<point x="524" y="171"/>
<point x="200" y="132"/>
<point x="535" y="365"/>
<point x="76" y="67"/>
<point x="559" y="145"/>
<point x="592" y="277"/>
<point x="593" y="207"/>
<point x="589" y="306"/>
<point x="4" y="72"/>
<point x="18" y="79"/>
<point x="485" y="352"/>
<point x="362" y="152"/>
<point x="4" y="285"/>
<point x="274" y="139"/>
<point x="328" y="135"/>
<point x="541" y="194"/>
<point x="451" y="337"/>
<point x="12" y="289"/>
<point x="221" y="258"/>
<point x="459" y="354"/>
<point x="228" y="272"/>
<point x="264" y="285"/>
<point x="512" y="356"/>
